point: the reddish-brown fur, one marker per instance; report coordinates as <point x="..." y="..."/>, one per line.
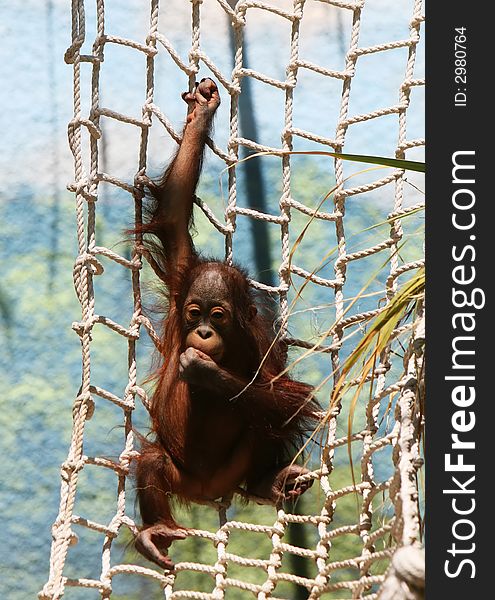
<point x="217" y="423"/>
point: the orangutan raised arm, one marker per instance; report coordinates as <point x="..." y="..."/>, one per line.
<point x="174" y="192"/>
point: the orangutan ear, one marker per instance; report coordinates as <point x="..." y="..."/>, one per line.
<point x="252" y="312"/>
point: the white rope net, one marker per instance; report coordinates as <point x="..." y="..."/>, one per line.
<point x="379" y="533"/>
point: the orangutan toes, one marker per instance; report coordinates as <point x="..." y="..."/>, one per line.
<point x="285" y="486"/>
<point x="154" y="542"/>
<point x="293" y="491"/>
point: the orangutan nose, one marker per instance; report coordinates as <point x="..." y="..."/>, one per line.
<point x="204" y="332"/>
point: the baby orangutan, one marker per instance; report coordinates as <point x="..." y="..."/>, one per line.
<point x="218" y="418"/>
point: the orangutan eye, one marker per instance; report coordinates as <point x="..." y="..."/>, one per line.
<point x="217" y="314"/>
<point x="193" y="313"/>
